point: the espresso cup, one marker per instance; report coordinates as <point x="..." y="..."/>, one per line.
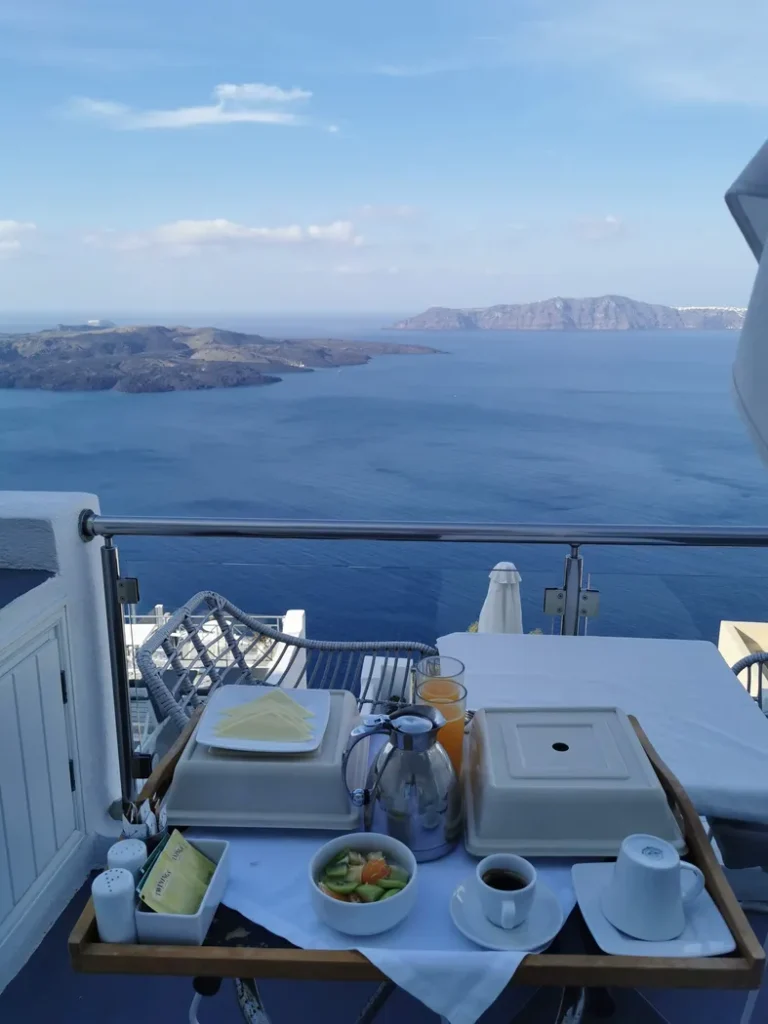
<point x="506" y="907"/>
<point x="649" y="889"/>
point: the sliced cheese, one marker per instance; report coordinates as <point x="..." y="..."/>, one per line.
<point x="275" y="698"/>
<point x="260" y="712"/>
<point x="269" y="725"/>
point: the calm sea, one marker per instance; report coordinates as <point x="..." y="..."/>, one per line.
<point x="537" y="428"/>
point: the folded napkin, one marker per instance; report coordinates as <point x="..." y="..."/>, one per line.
<point x="426" y="955"/>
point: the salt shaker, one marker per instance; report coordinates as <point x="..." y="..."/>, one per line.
<point x="130" y="854"/>
<point x="114" y="902"/>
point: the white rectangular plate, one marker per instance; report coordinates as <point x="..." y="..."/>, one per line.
<point x="226" y="697"/>
<point x="706" y="933"/>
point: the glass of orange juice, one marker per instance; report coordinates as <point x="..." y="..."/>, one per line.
<point x="440" y="683"/>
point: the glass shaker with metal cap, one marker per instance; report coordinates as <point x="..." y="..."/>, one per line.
<point x="412" y="792"/>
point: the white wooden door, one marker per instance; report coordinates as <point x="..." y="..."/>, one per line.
<point x="37" y="808"/>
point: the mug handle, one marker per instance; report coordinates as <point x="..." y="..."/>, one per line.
<point x="508" y="914"/>
<point x="692" y="890"/>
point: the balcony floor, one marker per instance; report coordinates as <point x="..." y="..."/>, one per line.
<point x="47" y="988"/>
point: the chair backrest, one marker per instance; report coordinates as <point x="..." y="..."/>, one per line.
<point x="210" y="642"/>
<point x="747" y="662"/>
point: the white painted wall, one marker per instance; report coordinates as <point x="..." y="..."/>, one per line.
<point x="39" y="530"/>
<point x="38" y="812"/>
<point x="77" y="590"/>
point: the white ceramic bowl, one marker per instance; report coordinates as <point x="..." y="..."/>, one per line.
<point x="363" y="918"/>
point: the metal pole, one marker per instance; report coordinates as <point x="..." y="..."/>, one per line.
<point x="92" y="525"/>
<point x="110" y="568"/>
<point x="574" y="568"/>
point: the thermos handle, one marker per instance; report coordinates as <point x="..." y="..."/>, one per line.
<point x="370" y="725"/>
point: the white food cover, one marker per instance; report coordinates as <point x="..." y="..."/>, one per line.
<point x="560" y="782"/>
<point x="235" y="789"/>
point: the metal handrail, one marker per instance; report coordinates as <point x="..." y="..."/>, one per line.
<point x="93" y="525"/>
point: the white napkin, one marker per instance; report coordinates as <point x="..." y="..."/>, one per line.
<point x="426" y="955"/>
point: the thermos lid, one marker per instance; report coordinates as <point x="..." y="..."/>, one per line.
<point x="412" y="724"/>
<point x="415" y="727"/>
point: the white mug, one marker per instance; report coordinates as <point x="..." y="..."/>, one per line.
<point x="650" y="888"/>
<point x="506" y="908"/>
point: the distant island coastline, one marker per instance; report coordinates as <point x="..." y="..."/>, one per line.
<point x="605" y="313"/>
<point x="100" y="356"/>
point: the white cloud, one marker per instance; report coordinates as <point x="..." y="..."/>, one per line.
<point x="216" y="232"/>
<point x="338" y="231"/>
<point x="11" y="233"/>
<point x="248" y="103"/>
<point x="688" y="51"/>
<point x="680" y="50"/>
<point x="187" y="236"/>
<point x="257" y="92"/>
<point x="599" y="229"/>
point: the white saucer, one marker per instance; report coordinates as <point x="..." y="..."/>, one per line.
<point x="532" y="936"/>
<point x="706" y="933"/>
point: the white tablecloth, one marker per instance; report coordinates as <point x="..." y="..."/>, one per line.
<point x="700" y="719"/>
<point x="425" y="955"/>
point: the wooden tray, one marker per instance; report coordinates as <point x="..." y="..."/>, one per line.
<point x="272" y="957"/>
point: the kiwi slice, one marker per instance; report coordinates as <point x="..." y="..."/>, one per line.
<point x="391" y="883"/>
<point x="342" y="888"/>
<point x="398" y="874"/>
<point x="336" y="871"/>
<point x="369" y="893"/>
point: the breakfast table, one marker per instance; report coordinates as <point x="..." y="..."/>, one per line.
<point x="701" y="721"/>
<point x="697" y="718"/>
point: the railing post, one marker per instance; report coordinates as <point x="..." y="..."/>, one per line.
<point x="574" y="568"/>
<point x="110" y="568"/>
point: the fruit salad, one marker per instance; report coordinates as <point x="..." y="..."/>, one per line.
<point x="354" y="877"/>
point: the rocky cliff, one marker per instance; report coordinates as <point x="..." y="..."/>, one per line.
<point x="92" y="357"/>
<point x="606" y="313"/>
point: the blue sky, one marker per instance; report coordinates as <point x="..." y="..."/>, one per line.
<point x="298" y="156"/>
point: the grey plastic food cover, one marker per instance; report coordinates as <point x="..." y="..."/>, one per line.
<point x="303" y="791"/>
<point x="555" y="782"/>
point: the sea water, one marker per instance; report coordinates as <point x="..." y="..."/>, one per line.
<point x="625" y="427"/>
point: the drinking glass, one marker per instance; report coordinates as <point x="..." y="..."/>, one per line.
<point x="440" y="683"/>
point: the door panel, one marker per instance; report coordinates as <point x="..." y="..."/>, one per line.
<point x="37" y="811"/>
<point x="35" y="767"/>
<point x="56" y="741"/>
<point x="14" y="800"/>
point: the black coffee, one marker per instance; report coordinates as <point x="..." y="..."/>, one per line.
<point x="501" y="878"/>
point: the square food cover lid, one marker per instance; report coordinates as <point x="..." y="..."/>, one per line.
<point x="560" y="782"/>
<point x="303" y="790"/>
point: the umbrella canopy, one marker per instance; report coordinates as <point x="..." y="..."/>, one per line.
<point x="747" y="200"/>
<point x="501" y="611"/>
